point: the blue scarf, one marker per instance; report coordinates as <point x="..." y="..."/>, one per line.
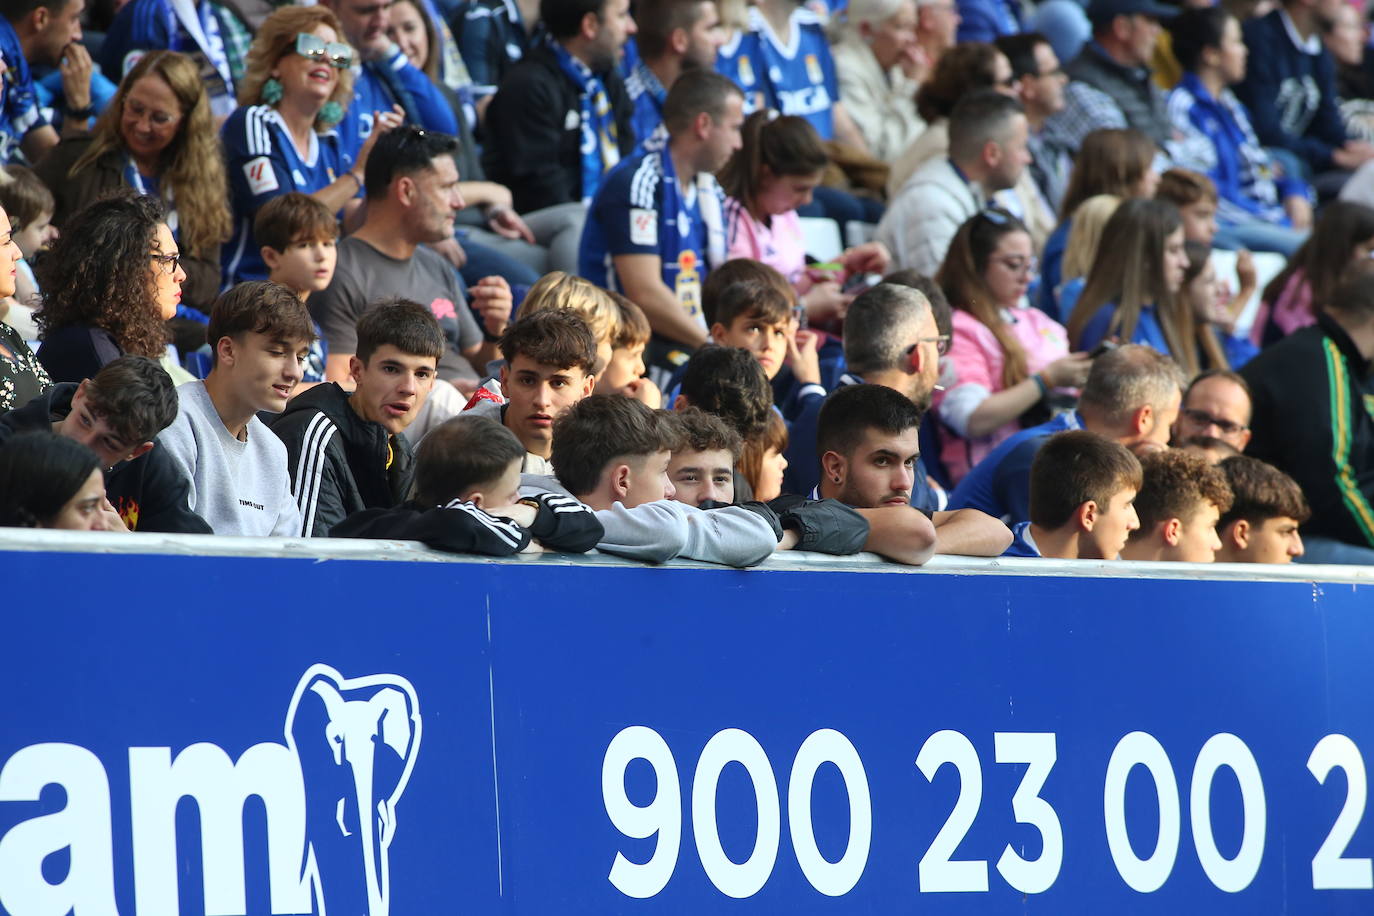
<point x="152" y="187"/>
<point x="672" y="244"/>
<point x="600" y="146"/>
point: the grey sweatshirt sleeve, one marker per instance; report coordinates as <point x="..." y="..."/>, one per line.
<point x="660" y="531"/>
<point x="178" y="442"/>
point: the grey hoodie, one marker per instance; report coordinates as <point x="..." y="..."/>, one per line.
<point x="663" y="530"/>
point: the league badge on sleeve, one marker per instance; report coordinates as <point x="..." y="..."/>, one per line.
<point x="260" y="174"/>
<point x="643" y="227"/>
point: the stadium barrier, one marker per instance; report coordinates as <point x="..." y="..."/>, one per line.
<point x="211" y="725"/>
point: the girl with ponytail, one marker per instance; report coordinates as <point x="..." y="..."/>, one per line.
<point x="780" y="162"/>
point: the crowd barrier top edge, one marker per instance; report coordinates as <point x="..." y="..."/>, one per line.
<point x="18" y="541"/>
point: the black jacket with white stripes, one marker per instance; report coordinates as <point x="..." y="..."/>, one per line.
<point x="340" y="463"/>
<point x="561" y="523"/>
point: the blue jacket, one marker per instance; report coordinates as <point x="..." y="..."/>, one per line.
<point x="1051" y="269"/>
<point x="1291" y="94"/>
<point x="1219" y="141"/>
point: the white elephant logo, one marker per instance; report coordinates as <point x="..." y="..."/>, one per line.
<point x="356" y="740"/>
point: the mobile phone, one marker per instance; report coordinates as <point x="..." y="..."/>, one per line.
<point x="1104" y="347"/>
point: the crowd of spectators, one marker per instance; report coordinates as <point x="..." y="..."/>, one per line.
<point x="710" y="279"/>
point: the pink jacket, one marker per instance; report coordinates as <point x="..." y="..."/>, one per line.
<point x="975" y="371"/>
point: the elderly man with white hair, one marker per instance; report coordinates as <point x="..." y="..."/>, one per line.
<point x="883" y="52"/>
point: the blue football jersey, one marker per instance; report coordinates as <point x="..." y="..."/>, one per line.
<point x="395" y="81"/>
<point x="799" y="68"/>
<point x="636" y="212"/>
<point x="741" y="59"/>
<point x="153" y="25"/>
<point x="263" y="163"/>
<point x="19" y="111"/>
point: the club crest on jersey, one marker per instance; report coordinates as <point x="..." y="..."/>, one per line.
<point x="746" y="70"/>
<point x="813" y="69"/>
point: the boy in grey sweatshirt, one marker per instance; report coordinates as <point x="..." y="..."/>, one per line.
<point x="240" y="484"/>
<point x="611" y="452"/>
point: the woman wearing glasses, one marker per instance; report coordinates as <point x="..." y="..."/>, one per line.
<point x="295" y="89"/>
<point x="109" y="285"/>
<point x="1005" y="357"/>
<point x="157" y="137"/>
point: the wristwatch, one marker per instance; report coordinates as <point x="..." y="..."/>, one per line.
<point x="79" y="112"/>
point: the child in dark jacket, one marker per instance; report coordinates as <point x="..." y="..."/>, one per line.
<point x="467" y="500"/>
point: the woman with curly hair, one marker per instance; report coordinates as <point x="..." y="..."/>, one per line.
<point x="109" y="284"/>
<point x="297" y="83"/>
<point x="157" y="137"/>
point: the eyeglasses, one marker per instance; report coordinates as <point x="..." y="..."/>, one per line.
<point x="158" y="118"/>
<point x="1018" y="264"/>
<point x="314" y="48"/>
<point x="1203" y="418"/>
<point x="167" y="262"/>
<point x="941" y="344"/>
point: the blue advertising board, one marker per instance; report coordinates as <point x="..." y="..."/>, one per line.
<point x="268" y="735"/>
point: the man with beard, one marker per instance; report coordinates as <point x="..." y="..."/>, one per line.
<point x="674" y="36"/>
<point x="867" y="438"/>
<point x="656" y="227"/>
<point x="412" y="196"/>
<point x="561" y="118"/>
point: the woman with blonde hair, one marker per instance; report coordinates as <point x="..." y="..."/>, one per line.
<point x="1006" y="357"/>
<point x="559" y="290"/>
<point x="297" y="83"/>
<point x="157" y="136"/>
<point x="1084" y="237"/>
<point x="1110" y="161"/>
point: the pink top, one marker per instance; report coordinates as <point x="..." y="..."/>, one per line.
<point x="1291" y="311"/>
<point x="975" y="365"/>
<point x="780" y="244"/>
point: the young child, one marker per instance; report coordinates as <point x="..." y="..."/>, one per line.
<point x="763" y="460"/>
<point x="1082" y="493"/>
<point x="612" y="453"/>
<point x="625" y="371"/>
<point x="349" y="452"/>
<point x="702" y="469"/>
<point x="1195" y="195"/>
<point x="298" y="236"/>
<point x="260" y="333"/>
<point x="557" y="291"/>
<point x="1179" y="503"/>
<point x="1262" y="524"/>
<point x="730" y="383"/>
<point x="29" y="205"/>
<point x="1214" y="317"/>
<point x="549" y="358"/>
<point x="467" y="500"/>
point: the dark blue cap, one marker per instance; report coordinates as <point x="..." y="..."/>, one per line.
<point x="1101" y="12"/>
